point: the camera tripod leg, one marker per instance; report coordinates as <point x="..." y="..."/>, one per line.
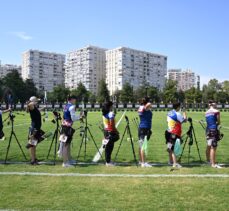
<point x="120" y="143"/>
<point x="85" y="143"/>
<point x="19" y="146"/>
<point x="8" y="147"/>
<point x="198" y="150"/>
<point x="53" y="138"/>
<point x="189" y="152"/>
<point x="132" y="145"/>
<point x="179" y="159"/>
<point x="81" y="144"/>
<point x="94" y="142"/>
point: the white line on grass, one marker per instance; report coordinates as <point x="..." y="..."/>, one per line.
<point x="116" y="175"/>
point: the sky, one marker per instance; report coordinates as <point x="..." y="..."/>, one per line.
<point x="193" y="34"/>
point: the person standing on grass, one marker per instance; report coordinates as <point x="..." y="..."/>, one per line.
<point x="2" y="135"/>
<point x="174" y="131"/>
<point x="111" y="133"/>
<point x="35" y="132"/>
<point x="67" y="132"/>
<point x="212" y="133"/>
<point x="144" y="130"/>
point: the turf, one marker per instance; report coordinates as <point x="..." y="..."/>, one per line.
<point x="64" y="193"/>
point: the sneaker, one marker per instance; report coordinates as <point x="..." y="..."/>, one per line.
<point x="3" y="138"/>
<point x="177" y="165"/>
<point x="110" y="164"/>
<point x="216" y="166"/>
<point x="67" y="165"/>
<point x="145" y="165"/>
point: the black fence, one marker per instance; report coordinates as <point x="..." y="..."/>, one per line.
<point x="124" y="106"/>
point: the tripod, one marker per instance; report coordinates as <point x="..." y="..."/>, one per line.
<point x="11" y="117"/>
<point x="127" y="130"/>
<point x="85" y="138"/>
<point x="55" y="138"/>
<point x="190" y="137"/>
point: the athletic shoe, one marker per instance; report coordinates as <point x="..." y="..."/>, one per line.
<point x="67" y="165"/>
<point x="110" y="164"/>
<point x="145" y="165"/>
<point x="177" y="165"/>
<point x="3" y="138"/>
<point x="216" y="166"/>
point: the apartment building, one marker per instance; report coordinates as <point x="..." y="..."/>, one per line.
<point x="86" y="65"/>
<point x="46" y="69"/>
<point x="139" y="68"/>
<point x="186" y="79"/>
<point x="7" y="68"/>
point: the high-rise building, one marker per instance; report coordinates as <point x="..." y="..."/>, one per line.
<point x="85" y="65"/>
<point x="44" y="68"/>
<point x="186" y="79"/>
<point x="7" y="68"/>
<point x="139" y="68"/>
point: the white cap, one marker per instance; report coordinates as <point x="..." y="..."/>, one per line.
<point x="34" y="99"/>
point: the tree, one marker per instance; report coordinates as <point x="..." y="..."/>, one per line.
<point x="81" y="93"/>
<point x="170" y="91"/>
<point x="13" y="83"/>
<point x="181" y="96"/>
<point x="225" y="87"/>
<point x="116" y="96"/>
<point x="103" y="92"/>
<point x="127" y="93"/>
<point x="153" y="93"/>
<point x="1" y="90"/>
<point x="190" y="95"/>
<point x="30" y="88"/>
<point x="59" y="94"/>
<point x="92" y="98"/>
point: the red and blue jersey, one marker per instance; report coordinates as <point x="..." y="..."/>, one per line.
<point x="109" y="122"/>
<point x="212" y="116"/>
<point x="145" y="117"/>
<point x="175" y="120"/>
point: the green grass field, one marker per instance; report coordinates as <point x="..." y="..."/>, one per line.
<point x="114" y="193"/>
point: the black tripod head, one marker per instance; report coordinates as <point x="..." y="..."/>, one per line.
<point x="57" y="117"/>
<point x="85" y="113"/>
<point x="190" y="120"/>
<point x="127" y="119"/>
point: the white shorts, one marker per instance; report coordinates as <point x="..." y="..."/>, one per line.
<point x="209" y="142"/>
<point x="140" y="142"/>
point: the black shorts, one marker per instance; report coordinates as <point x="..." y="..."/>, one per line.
<point x="111" y="136"/>
<point x="170" y="139"/>
<point x="142" y="132"/>
<point x="213" y="136"/>
<point x="36" y="133"/>
<point x="67" y="131"/>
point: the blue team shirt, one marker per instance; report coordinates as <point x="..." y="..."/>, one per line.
<point x="211" y="118"/>
<point x="145" y="117"/>
<point x="67" y="114"/>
